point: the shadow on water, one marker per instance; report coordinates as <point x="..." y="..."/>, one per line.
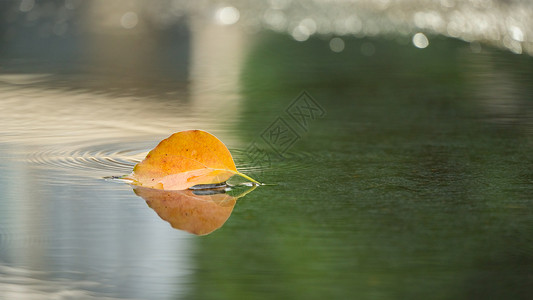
<point x="413" y="188"/>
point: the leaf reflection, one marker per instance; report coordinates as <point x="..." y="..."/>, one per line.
<point x="198" y="212"/>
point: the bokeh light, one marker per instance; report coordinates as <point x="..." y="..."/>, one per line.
<point x="129" y="20"/>
<point x="420" y="40"/>
<point x="504" y="24"/>
<point x="227" y="15"/>
<point x="336" y="44"/>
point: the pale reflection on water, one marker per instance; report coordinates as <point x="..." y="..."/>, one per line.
<point x="66" y="233"/>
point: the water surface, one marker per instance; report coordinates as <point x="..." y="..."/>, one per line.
<point x="415" y="183"/>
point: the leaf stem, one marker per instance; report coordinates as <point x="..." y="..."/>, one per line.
<point x="248" y="177"/>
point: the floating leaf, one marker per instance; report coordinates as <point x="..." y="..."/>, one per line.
<point x="183" y="160"/>
<point x="189" y="210"/>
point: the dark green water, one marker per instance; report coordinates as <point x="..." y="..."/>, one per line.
<point x="411" y="187"/>
<point x="416" y="183"/>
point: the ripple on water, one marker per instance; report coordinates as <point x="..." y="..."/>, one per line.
<point x="4" y="240"/>
<point x="289" y="162"/>
<point x="108" y="158"/>
<point x="18" y="282"/>
<point x="21" y="239"/>
<point x="119" y="158"/>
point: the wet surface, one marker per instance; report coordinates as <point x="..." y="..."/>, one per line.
<point x="409" y="176"/>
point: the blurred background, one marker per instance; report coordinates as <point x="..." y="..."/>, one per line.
<point x="415" y="183"/>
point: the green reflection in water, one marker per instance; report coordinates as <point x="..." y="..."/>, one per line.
<point x="411" y="187"/>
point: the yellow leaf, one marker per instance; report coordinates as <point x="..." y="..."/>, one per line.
<point x="185" y="159"/>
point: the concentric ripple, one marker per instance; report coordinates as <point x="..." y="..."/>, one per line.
<point x="119" y="158"/>
<point x="108" y="158"/>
